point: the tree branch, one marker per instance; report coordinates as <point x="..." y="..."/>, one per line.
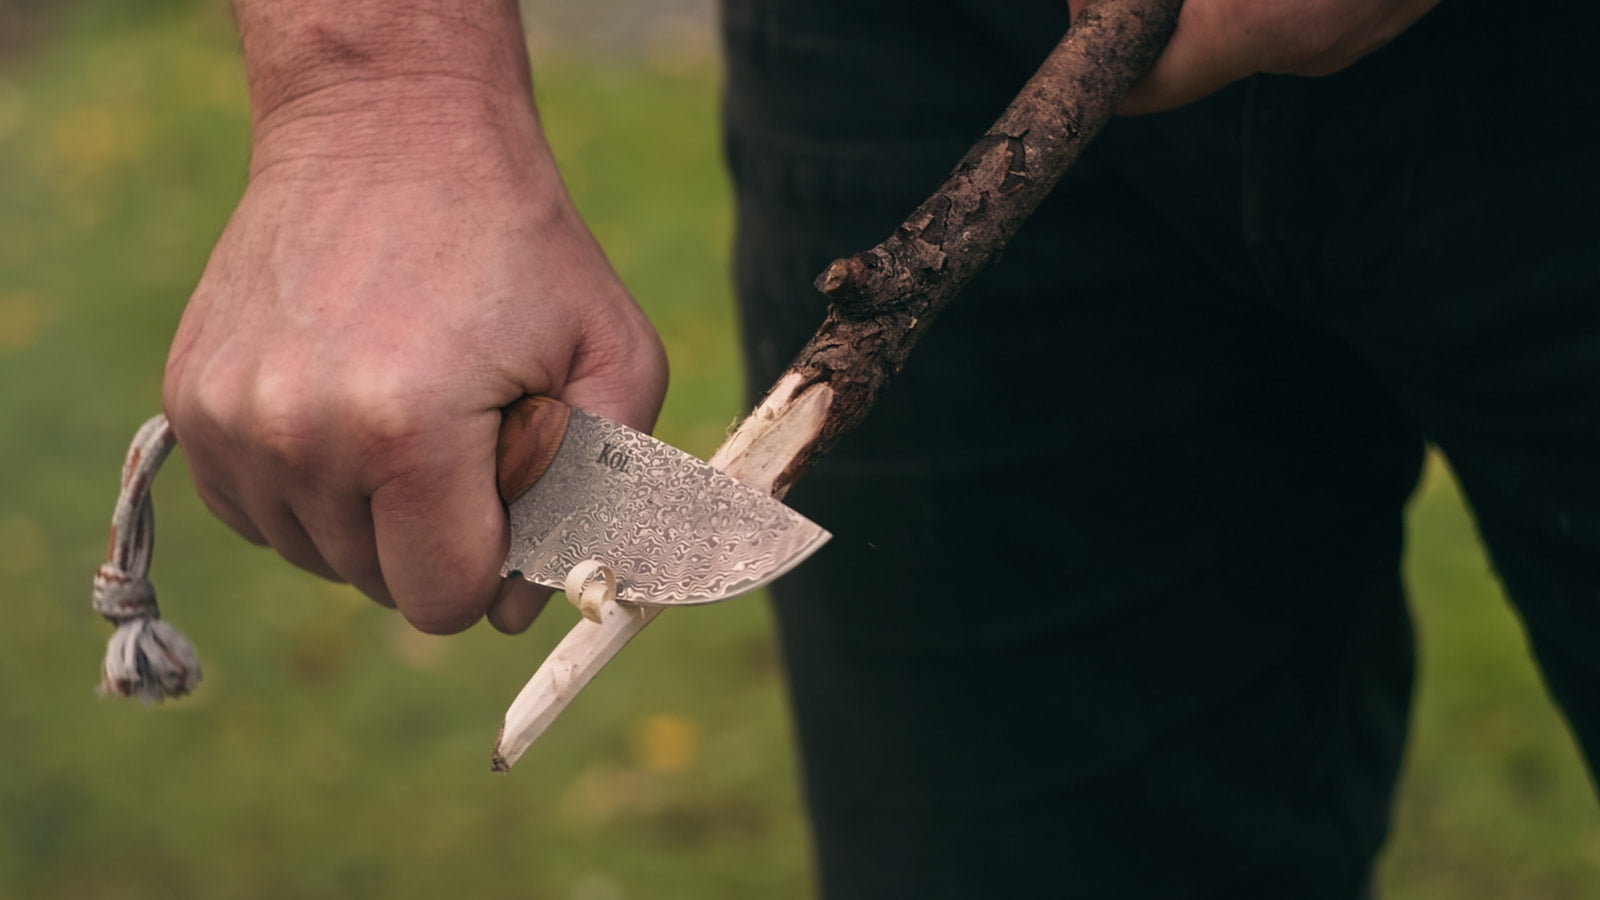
<point x="883" y="299"/>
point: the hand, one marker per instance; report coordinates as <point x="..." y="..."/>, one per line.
<point x="404" y="263"/>
<point x="1218" y="42"/>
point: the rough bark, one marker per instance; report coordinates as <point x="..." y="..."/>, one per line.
<point x="886" y="297"/>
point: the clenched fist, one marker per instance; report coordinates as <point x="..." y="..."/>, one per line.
<point x="403" y="264"/>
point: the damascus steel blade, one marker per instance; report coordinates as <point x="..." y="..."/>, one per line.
<point x="674" y="530"/>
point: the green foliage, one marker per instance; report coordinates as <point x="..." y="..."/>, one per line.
<point x="331" y="752"/>
<point x="1496" y="802"/>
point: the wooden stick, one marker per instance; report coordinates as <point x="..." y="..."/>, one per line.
<point x="886" y="297"/>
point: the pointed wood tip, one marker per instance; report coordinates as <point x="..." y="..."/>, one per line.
<point x="497" y="760"/>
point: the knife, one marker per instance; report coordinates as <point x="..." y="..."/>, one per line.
<point x="672" y="529"/>
<point x="666" y="529"/>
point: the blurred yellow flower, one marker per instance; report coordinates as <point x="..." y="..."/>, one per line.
<point x="86" y="137"/>
<point x="666" y="744"/>
<point x="91" y="141"/>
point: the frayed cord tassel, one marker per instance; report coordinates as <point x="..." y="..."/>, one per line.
<point x="147" y="658"/>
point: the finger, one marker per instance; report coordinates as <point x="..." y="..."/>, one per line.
<point x="440" y="530"/>
<point x="332" y="540"/>
<point x="221" y="501"/>
<point x="340" y="528"/>
<point x="1206" y="53"/>
<point x="289" y="538"/>
<point x="229" y="512"/>
<point x="636" y="409"/>
<point x="518" y="602"/>
<point x="1383" y="23"/>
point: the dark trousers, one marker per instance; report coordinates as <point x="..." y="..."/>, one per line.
<point x="1114" y="606"/>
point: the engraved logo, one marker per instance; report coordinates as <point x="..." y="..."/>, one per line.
<point x="613" y="458"/>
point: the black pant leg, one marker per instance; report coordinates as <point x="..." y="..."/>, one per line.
<point x="1482" y="314"/>
<point x="1113" y="607"/>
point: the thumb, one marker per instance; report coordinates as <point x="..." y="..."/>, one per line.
<point x="620" y="372"/>
<point x="636" y="407"/>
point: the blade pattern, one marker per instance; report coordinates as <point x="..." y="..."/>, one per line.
<point x="674" y="530"/>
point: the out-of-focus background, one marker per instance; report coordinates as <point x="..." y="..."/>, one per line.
<point x="332" y="752"/>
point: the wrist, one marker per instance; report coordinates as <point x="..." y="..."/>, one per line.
<point x="400" y="126"/>
<point x="368" y="62"/>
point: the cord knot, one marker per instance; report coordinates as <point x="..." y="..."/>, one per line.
<point x="146" y="657"/>
<point x="119" y="596"/>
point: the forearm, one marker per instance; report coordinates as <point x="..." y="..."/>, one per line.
<point x="383" y="78"/>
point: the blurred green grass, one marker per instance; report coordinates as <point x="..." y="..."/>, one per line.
<point x="331" y="752"/>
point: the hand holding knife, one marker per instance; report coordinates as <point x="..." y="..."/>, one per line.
<point x="591" y="502"/>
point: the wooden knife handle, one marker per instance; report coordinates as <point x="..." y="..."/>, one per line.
<point x="531" y="430"/>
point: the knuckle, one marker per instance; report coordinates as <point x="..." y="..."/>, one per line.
<point x="283" y="419"/>
<point x="357" y="411"/>
<point x="386" y="413"/>
<point x="206" y="408"/>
